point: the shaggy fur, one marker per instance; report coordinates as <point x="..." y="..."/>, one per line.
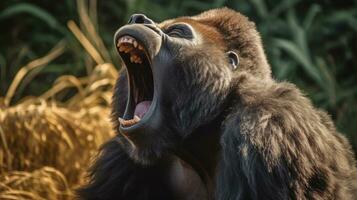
<point x="271" y="142"/>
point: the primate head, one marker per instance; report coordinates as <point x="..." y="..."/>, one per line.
<point x="180" y="74"/>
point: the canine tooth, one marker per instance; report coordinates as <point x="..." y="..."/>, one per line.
<point x="135" y="43"/>
<point x="136" y="118"/>
<point x="121" y="120"/>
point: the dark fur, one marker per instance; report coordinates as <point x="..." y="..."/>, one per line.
<point x="273" y="143"/>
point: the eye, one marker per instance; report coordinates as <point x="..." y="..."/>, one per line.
<point x="233" y="59"/>
<point x="180" y="31"/>
<point x="176" y="32"/>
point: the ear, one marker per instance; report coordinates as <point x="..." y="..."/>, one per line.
<point x="233" y="59"/>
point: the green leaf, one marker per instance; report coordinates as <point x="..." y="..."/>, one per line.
<point x="261" y="8"/>
<point x="311" y="14"/>
<point x="295" y="52"/>
<point x="283" y="6"/>
<point x="32" y="10"/>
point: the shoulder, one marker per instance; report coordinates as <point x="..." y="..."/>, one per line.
<point x="275" y="125"/>
<point x="281" y="103"/>
<point x="278" y="120"/>
<point x="253" y="91"/>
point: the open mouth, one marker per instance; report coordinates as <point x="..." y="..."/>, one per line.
<point x="141" y="84"/>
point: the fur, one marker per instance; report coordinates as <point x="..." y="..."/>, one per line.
<point x="269" y="140"/>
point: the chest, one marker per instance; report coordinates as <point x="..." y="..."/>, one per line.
<point x="185" y="182"/>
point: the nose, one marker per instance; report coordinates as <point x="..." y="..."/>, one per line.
<point x="140" y="19"/>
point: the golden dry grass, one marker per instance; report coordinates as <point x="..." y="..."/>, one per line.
<point x="43" y="183"/>
<point x="45" y="149"/>
<point x="45" y="135"/>
<point x="46" y="145"/>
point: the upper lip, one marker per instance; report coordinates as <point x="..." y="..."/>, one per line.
<point x="144" y="33"/>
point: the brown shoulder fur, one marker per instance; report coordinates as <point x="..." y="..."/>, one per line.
<point x="280" y="126"/>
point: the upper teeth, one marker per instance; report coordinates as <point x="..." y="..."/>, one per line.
<point x="129" y="44"/>
<point x="126" y="39"/>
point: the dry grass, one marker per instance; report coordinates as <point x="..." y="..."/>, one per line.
<point x="46" y="149"/>
<point x="44" y="135"/>
<point x="44" y="183"/>
<point x="46" y="144"/>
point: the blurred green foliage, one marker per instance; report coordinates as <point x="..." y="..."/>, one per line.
<point x="310" y="43"/>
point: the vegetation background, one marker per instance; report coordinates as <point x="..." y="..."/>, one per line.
<point x="58" y="65"/>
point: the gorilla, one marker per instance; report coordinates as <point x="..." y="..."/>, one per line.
<point x="198" y="116"/>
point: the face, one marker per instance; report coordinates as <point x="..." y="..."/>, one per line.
<point x="179" y="75"/>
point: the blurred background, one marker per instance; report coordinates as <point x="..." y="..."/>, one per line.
<point x="58" y="65"/>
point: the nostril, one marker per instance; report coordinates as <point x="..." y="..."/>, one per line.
<point x="139" y="19"/>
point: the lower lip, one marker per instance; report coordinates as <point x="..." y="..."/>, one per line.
<point x="143" y="120"/>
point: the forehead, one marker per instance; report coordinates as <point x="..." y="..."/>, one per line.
<point x="207" y="31"/>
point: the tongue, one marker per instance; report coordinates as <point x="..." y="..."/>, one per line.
<point x="141" y="108"/>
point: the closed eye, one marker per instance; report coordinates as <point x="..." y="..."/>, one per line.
<point x="180" y="31"/>
<point x="176" y="32"/>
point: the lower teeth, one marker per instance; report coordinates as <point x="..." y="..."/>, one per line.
<point x="129" y="122"/>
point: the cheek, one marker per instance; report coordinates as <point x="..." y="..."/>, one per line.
<point x="210" y="75"/>
<point x="201" y="92"/>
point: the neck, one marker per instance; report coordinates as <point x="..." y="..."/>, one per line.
<point x="201" y="151"/>
<point x="202" y="147"/>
